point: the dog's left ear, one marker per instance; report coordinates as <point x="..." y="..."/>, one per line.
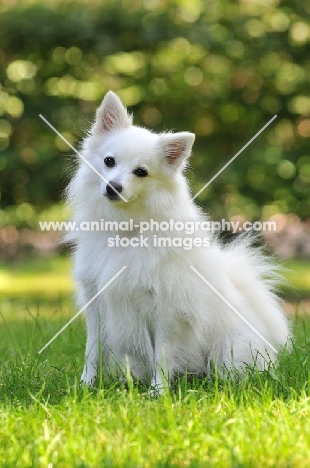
<point x="176" y="147"/>
<point x="111" y="115"/>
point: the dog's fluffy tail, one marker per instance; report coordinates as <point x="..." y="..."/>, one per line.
<point x="257" y="277"/>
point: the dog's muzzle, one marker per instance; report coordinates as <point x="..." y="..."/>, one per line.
<point x="113" y="190"/>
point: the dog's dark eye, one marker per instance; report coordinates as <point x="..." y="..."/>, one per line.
<point x="140" y="172"/>
<point x="110" y="162"/>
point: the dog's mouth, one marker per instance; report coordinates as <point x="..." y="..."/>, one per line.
<point x="112" y="197"/>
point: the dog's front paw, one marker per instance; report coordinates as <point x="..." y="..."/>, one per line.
<point x="156" y="392"/>
<point x="88" y="377"/>
<point x="157" y="389"/>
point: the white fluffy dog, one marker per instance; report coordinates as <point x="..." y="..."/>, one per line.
<point x="160" y="316"/>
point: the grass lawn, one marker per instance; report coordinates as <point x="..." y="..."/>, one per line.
<point x="48" y="420"/>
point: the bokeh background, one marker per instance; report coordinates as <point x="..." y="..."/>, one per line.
<point x="218" y="68"/>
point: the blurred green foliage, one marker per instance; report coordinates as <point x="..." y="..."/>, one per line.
<point x="219" y="68"/>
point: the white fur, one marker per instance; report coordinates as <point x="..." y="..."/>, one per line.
<point x="158" y="315"/>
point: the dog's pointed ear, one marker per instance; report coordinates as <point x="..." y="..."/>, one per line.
<point x="176" y="147"/>
<point x="111" y="115"/>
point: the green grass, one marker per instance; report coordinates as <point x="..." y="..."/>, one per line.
<point x="41" y="277"/>
<point x="48" y="420"/>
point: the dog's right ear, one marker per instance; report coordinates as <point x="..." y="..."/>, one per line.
<point x="111" y="115"/>
<point x="176" y="147"/>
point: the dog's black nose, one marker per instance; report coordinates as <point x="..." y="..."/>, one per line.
<point x="113" y="194"/>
